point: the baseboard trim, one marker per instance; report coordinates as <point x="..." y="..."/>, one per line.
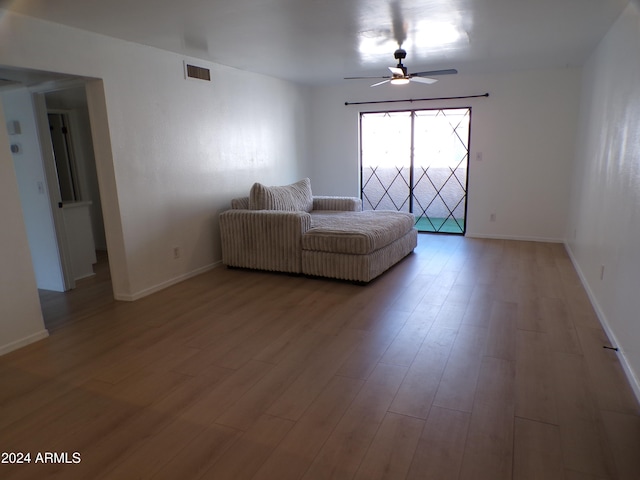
<point x="602" y="318"/>
<point x="126" y="297"/>
<point x="23" y="342"/>
<point x="514" y="237"/>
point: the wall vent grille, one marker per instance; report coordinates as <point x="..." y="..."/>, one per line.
<point x="198" y="72"/>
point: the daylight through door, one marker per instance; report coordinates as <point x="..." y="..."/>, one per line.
<point x="416" y="161"/>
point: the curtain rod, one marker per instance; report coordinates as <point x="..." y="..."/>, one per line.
<point x="416" y="100"/>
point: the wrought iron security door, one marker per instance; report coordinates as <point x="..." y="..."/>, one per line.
<point x="417" y="161"/>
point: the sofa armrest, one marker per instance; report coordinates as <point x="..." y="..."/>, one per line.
<point x="263" y="239"/>
<point x="240" y="203"/>
<point x="345" y="204"/>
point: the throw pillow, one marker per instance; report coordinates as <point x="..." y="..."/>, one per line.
<point x="291" y="198"/>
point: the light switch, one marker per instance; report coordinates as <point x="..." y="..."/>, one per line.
<point x="13" y="127"/>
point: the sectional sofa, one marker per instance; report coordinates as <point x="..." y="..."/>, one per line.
<point x="287" y="229"/>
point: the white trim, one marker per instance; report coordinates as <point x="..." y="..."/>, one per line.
<point x="514" y="237"/>
<point x="126" y="297"/>
<point x="631" y="377"/>
<point x="59" y="84"/>
<point x="23" y="342"/>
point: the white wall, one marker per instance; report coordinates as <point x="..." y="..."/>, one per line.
<point x="181" y="148"/>
<point x="20" y="316"/>
<point x="604" y="228"/>
<point x="34" y="191"/>
<point x="525" y="131"/>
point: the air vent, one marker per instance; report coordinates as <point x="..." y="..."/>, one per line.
<point x="200" y="73"/>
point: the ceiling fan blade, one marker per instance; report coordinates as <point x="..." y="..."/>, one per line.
<point x="433" y="73"/>
<point x="361" y="78"/>
<point x="426" y="80"/>
<point x="380" y="83"/>
<point x="396" y="71"/>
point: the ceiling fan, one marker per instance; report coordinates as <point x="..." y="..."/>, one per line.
<point x="400" y="76"/>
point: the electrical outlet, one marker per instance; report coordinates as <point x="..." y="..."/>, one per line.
<point x="176" y="253"/>
<point x="492" y="217"/>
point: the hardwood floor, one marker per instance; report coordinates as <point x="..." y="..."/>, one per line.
<point x="90" y="295"/>
<point x="472" y="359"/>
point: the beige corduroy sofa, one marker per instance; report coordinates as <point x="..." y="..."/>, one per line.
<point x="287" y="229"/>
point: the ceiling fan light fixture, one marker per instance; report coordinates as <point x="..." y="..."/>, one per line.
<point x="399" y="81"/>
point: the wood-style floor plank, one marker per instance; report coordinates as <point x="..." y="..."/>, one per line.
<point x="583" y="446"/>
<point x="343" y="451"/>
<point x="389" y="455"/>
<point x="420" y="385"/>
<point x="488" y="453"/>
<point x="247" y="454"/>
<point x="535" y="388"/>
<point x="537" y="451"/>
<point x="297" y="451"/>
<point x="471" y="359"/>
<point x="457" y="386"/>
<point x="441" y="446"/>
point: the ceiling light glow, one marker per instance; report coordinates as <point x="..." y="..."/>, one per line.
<point x="433" y="34"/>
<point x="424" y="35"/>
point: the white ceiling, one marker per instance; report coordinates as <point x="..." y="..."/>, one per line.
<point x="321" y="41"/>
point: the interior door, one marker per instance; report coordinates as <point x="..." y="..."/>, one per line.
<point x="55" y="197"/>
<point x="63" y="155"/>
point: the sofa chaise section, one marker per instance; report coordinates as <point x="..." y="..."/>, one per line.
<point x="357" y="247"/>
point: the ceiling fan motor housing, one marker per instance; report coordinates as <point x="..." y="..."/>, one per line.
<point x="400" y="54"/>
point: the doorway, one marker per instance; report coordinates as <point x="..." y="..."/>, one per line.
<point x="416" y="161"/>
<point x="27" y="103"/>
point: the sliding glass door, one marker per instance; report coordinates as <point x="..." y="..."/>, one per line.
<point x="416" y="161"/>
